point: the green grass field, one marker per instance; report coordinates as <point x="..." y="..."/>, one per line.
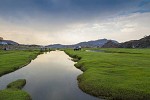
<point x="19" y="84"/>
<point x="9" y="62"/>
<point x="13" y="60"/>
<point x="14" y="92"/>
<point x="119" y="74"/>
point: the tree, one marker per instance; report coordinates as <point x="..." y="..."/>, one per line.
<point x="1" y="38"/>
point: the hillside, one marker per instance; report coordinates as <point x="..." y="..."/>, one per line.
<point x="11" y="45"/>
<point x="110" y="44"/>
<point x="89" y="44"/>
<point x="8" y="42"/>
<point x="141" y="43"/>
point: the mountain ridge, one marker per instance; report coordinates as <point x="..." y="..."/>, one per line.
<point x="8" y="42"/>
<point x="92" y="43"/>
<point x="141" y="43"/>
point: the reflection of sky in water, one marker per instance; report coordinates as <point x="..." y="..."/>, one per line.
<point x="50" y="76"/>
<point x="95" y="50"/>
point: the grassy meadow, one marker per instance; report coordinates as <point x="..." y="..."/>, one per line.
<point x="13" y="60"/>
<point x="14" y="92"/>
<point x="115" y="74"/>
<point x="9" y="62"/>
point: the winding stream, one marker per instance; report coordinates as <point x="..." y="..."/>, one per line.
<point x="51" y="76"/>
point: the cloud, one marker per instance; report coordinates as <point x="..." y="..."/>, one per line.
<point x="72" y="21"/>
<point x="67" y="9"/>
<point x="121" y="28"/>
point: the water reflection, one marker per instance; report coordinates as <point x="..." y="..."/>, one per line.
<point x="51" y="76"/>
<point x="95" y="50"/>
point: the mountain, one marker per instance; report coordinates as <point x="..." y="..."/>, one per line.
<point x="141" y="43"/>
<point x="94" y="43"/>
<point x="111" y="44"/>
<point x="56" y="46"/>
<point x="8" y="42"/>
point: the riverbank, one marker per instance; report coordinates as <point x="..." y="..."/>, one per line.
<point x="118" y="74"/>
<point x="13" y="60"/>
<point x="14" y="92"/>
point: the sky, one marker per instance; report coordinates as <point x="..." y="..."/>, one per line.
<point x="47" y="22"/>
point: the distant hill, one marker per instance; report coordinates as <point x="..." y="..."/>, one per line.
<point x="94" y="43"/>
<point x="8" y="42"/>
<point x="141" y="43"/>
<point x="56" y="46"/>
<point x="105" y="43"/>
<point x="111" y="44"/>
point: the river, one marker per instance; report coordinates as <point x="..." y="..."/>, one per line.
<point x="51" y="76"/>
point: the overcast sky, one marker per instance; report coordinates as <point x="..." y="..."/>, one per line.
<point x="72" y="21"/>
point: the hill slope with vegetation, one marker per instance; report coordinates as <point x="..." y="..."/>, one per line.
<point x="141" y="43"/>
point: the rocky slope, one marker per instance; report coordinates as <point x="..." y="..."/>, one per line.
<point x="141" y="43"/>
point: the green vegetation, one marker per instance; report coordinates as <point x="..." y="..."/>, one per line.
<point x="9" y="62"/>
<point x="13" y="60"/>
<point x="14" y="92"/>
<point x="118" y="74"/>
<point x="17" y="84"/>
